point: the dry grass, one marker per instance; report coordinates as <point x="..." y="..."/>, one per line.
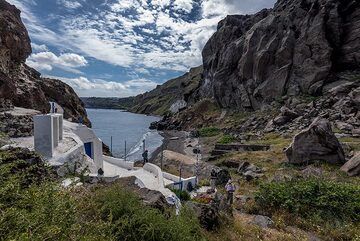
<point x="273" y="162"/>
<point x="241" y="229"/>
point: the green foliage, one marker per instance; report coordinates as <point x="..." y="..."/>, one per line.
<point x="314" y="197"/>
<point x="34" y="207"/>
<point x="204" y="182"/>
<point x="131" y="220"/>
<point x="209" y="131"/>
<point x="183" y="195"/>
<point x="226" y="139"/>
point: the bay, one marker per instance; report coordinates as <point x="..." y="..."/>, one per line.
<point x="125" y="126"/>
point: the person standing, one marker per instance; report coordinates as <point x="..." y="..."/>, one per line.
<point x="230" y="189"/>
<point x="145" y="156"/>
<point x="213" y="178"/>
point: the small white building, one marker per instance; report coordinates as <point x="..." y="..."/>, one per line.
<point x="61" y="142"/>
<point x="93" y="146"/>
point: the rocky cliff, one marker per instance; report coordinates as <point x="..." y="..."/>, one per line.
<point x="160" y="100"/>
<point x="21" y="85"/>
<point x="296" y="48"/>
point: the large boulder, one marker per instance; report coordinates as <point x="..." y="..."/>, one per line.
<point x="352" y="167"/>
<point x="249" y="171"/>
<point x="316" y="143"/>
<point x="223" y="176"/>
<point x="293" y="49"/>
<point x="208" y="214"/>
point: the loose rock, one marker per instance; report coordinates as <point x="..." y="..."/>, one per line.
<point x="317" y="142"/>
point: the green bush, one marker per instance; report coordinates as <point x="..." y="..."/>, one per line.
<point x="182" y="195"/>
<point x="131" y="220"/>
<point x="209" y="131"/>
<point x="226" y="139"/>
<point x="34" y="207"/>
<point x="312" y="198"/>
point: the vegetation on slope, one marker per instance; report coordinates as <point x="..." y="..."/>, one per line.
<point x="34" y="207"/>
<point x="300" y="204"/>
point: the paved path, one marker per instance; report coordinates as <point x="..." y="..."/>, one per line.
<point x="148" y="179"/>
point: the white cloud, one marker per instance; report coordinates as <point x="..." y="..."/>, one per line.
<point x="101" y="88"/>
<point x="48" y="60"/>
<point x="134" y="34"/>
<point x="160" y="3"/>
<point x="39" y="47"/>
<point x="184" y="5"/>
<point x="70" y="4"/>
<point x="228" y="7"/>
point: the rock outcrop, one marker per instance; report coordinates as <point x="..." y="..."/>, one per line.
<point x="23" y="86"/>
<point x="17" y="122"/>
<point x="316" y="143"/>
<point x="293" y="49"/>
<point x="352" y="167"/>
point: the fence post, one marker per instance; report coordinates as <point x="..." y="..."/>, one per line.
<point x="125" y="151"/>
<point x="111" y="145"/>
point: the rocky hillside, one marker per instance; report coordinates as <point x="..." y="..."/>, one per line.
<point x="297" y="48"/>
<point x="159" y="100"/>
<point x="175" y="93"/>
<point x="21" y="85"/>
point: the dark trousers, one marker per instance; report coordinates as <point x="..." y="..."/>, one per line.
<point x="230" y="198"/>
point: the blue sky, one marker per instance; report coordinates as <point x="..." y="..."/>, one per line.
<point x="119" y="48"/>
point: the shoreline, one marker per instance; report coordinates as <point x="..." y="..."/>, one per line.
<point x="177" y="145"/>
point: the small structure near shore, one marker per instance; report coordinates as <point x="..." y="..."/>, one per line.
<point x="48" y="132"/>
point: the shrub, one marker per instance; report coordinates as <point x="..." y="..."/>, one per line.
<point x="312" y="197"/>
<point x="182" y="195"/>
<point x="34" y="207"/>
<point x="130" y="219"/>
<point x="209" y="131"/>
<point x="204" y="182"/>
<point x="226" y="139"/>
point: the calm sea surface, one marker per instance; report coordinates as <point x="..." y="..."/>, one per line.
<point x="125" y="126"/>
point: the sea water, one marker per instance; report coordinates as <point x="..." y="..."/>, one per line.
<point x="125" y="126"/>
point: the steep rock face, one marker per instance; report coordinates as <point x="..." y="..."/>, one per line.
<point x="293" y="49"/>
<point x="22" y="85"/>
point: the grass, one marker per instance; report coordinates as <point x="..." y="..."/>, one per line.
<point x="226" y="139"/>
<point x="209" y="131"/>
<point x="353" y="142"/>
<point x="339" y="196"/>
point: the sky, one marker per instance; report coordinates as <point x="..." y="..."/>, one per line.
<point x="120" y="48"/>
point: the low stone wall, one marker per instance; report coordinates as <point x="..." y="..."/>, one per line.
<point x="176" y="179"/>
<point x="157" y="172"/>
<point x="119" y="162"/>
<point x="16" y="125"/>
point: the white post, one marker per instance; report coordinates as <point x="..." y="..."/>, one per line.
<point x="55" y="120"/>
<point x="61" y="125"/>
<point x="43" y="135"/>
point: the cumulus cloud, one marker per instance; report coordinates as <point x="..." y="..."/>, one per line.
<point x="39" y="47"/>
<point x="101" y="88"/>
<point x="184" y="5"/>
<point x="48" y="60"/>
